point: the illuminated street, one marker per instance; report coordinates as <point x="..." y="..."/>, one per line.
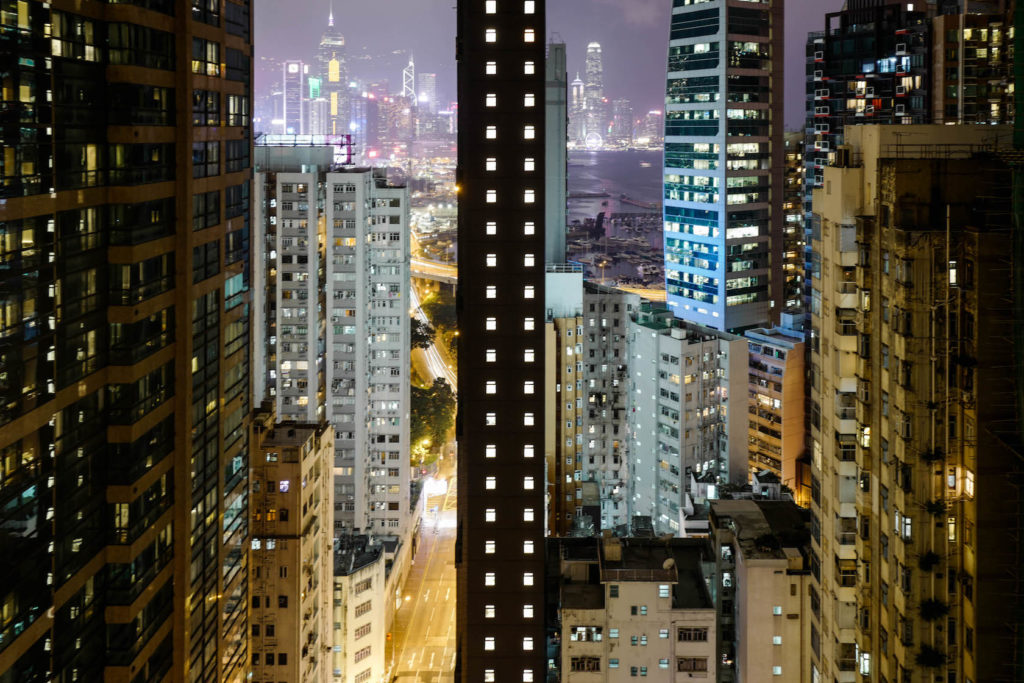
<point x="423" y="642"/>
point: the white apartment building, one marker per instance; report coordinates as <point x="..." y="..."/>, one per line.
<point x="684" y="421"/>
<point x="336" y="277"/>
<point x="360" y="622"/>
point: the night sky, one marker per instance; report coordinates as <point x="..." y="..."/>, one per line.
<point x="633" y="35"/>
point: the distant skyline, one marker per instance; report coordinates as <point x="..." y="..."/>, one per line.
<point x="381" y="35"/>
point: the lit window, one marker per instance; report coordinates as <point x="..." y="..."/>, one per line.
<point x="528" y="324"/>
<point x="529" y="164"/>
<point x="528" y="450"/>
<point x="529" y="228"/>
<point x="492" y="228"/>
<point x="528" y="292"/>
<point x="527" y="387"/>
<point x="528" y="483"/>
<point x="491" y="324"/>
<point x="527" y="419"/>
<point x="776" y="671"/>
<point x="491" y="355"/>
<point x="490" y="514"/>
<point x="489" y="547"/>
<point x="529" y="99"/>
<point x="488" y="675"/>
<point x="527" y="578"/>
<point x="776" y="640"/>
<point x="491" y="35"/>
<point x="529" y="6"/>
<point x="663" y="590"/>
<point x="969" y="483"/>
<point x="492" y="387"/>
<point x="527" y="611"/>
<point x="527" y="675"/>
<point x="491" y="68"/>
<point x="529" y="35"/>
<point x="492" y="132"/>
<point x="492" y="196"/>
<point x="527" y="644"/>
<point x="777" y="610"/>
<point x="529" y="68"/>
<point x="528" y="355"/>
<point x="490" y="451"/>
<point x="491" y="100"/>
<point x="527" y="547"/>
<point x="492" y="260"/>
<point x="527" y="514"/>
<point x="529" y="196"/>
<point x="529" y="132"/>
<point x="491" y="164"/>
<point x="492" y="292"/>
<point x="489" y="643"/>
<point x="282" y="486"/>
<point x="528" y="260"/>
<point x="488" y="611"/>
<point x="491" y="6"/>
<point x="489" y="579"/>
<point x="491" y="483"/>
<point x="491" y="419"/>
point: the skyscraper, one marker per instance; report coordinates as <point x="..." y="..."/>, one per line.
<point x="500" y="543"/>
<point x="332" y="67"/>
<point x="124" y="336"/>
<point x="295" y="97"/>
<point x="577" y="111"/>
<point x="724" y="164"/>
<point x="426" y="91"/>
<point x="593" y="96"/>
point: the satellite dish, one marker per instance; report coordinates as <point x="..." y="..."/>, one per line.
<point x="669" y="563"/>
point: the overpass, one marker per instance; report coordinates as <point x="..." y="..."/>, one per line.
<point x="433" y="270"/>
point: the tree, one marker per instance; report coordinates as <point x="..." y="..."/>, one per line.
<point x="433" y="412"/>
<point x="422" y="334"/>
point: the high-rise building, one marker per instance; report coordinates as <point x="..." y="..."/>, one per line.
<point x="337" y="257"/>
<point x="621" y="132"/>
<point x="501" y="180"/>
<point x="556" y="118"/>
<point x="685" y="422"/>
<point x="577" y="112"/>
<point x="724" y="164"/>
<point x="596" y="109"/>
<point x="291" y="568"/>
<point x="652" y="130"/>
<point x="332" y="68"/>
<point x="426" y="91"/>
<point x="913" y="424"/>
<point x="294" y="96"/>
<point x="794" y="255"/>
<point x="360" y="610"/>
<point x="124" y="336"/>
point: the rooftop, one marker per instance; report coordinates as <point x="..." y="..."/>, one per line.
<point x="352" y="553"/>
<point x="764" y="529"/>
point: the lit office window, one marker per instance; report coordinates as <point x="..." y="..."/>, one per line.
<point x="527" y="578"/>
<point x="491" y="164"/>
<point x="529" y="6"/>
<point x="490" y="100"/>
<point x="491" y="323"/>
<point x="527" y="387"/>
<point x="491" y="6"/>
<point x="488" y="675"/>
<point x="528" y="355"/>
<point x="491" y="355"/>
<point x="527" y="644"/>
<point x="492" y="196"/>
<point x="528" y="260"/>
<point x="527" y="514"/>
<point x="492" y="292"/>
<point x="491" y="483"/>
<point x="529" y="99"/>
<point x="527" y="547"/>
<point x="529" y="35"/>
<point x="528" y="324"/>
<point x="529" y="228"/>
<point x="490" y="514"/>
<point x="492" y="260"/>
<point x="529" y="164"/>
<point x="488" y="611"/>
<point x="491" y="35"/>
<point x="527" y="675"/>
<point x="529" y="68"/>
<point x="491" y="228"/>
<point x="491" y="387"/>
<point x="527" y="611"/>
<point x="528" y="450"/>
<point x="489" y="642"/>
<point x="527" y="419"/>
<point x="529" y="132"/>
<point x="491" y="419"/>
<point x="529" y="196"/>
<point x="489" y="579"/>
<point x="491" y="68"/>
<point x="528" y="483"/>
<point x="528" y="292"/>
<point x="490" y="451"/>
<point x="489" y="547"/>
<point x="491" y="133"/>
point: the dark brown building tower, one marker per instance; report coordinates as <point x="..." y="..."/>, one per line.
<point x="124" y="330"/>
<point x="500" y="544"/>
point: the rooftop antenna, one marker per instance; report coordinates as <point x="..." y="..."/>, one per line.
<point x="330" y="17"/>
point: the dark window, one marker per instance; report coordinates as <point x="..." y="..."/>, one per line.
<point x="205" y="261"/>
<point x="205" y="108"/>
<point x="206" y="11"/>
<point x="138" y="45"/>
<point x="139" y="164"/>
<point x="236" y="200"/>
<point x="237" y="65"/>
<point x="237" y="153"/>
<point x="205" y="210"/>
<point x="236" y="19"/>
<point x="282" y="601"/>
<point x="130" y="104"/>
<point x="205" y="159"/>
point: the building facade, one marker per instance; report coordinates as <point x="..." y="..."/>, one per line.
<point x="724" y="159"/>
<point x="500" y="431"/>
<point x="124" y="329"/>
<point x="912" y="420"/>
<point x="360" y="612"/>
<point x="332" y="69"/>
<point x="291" y="567"/>
<point x="686" y="420"/>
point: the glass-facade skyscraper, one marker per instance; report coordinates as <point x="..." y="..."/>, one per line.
<point x="724" y="158"/>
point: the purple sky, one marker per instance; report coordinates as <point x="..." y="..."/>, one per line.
<point x="633" y="35"/>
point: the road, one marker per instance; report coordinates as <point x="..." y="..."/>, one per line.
<point x="423" y="645"/>
<point x="437" y="365"/>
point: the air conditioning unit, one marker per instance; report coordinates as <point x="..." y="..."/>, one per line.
<point x="819" y="55"/>
<point x="900" y="110"/>
<point x="901" y="48"/>
<point x="901" y="90"/>
<point x="870" y="92"/>
<point x="870" y="109"/>
<point x="818" y="74"/>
